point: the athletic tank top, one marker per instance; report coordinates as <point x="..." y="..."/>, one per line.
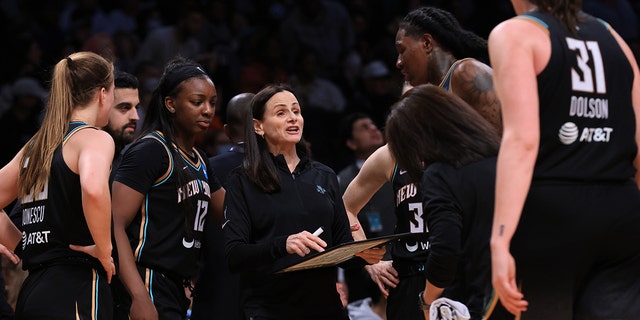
<point x="446" y="81"/>
<point x="167" y="232"/>
<point x="409" y="218"/>
<point x="587" y="122"/>
<point x="53" y="218"/>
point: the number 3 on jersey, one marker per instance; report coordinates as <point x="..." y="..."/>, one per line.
<point x="583" y="80"/>
<point x="417" y="224"/>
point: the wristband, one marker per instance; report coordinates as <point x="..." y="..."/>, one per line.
<point x="423" y="305"/>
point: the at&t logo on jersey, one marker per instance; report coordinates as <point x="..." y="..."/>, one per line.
<point x="570" y="133"/>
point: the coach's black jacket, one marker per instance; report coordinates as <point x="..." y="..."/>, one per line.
<point x="256" y="227"/>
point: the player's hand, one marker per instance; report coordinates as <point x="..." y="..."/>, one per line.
<point x="142" y="308"/>
<point x="503" y="269"/>
<point x="9" y="254"/>
<point x="384" y="275"/>
<point x="105" y="259"/>
<point x="373" y="255"/>
<point x="302" y="243"/>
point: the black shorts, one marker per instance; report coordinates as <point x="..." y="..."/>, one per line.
<point x="65" y="291"/>
<point x="576" y="251"/>
<point x="402" y="302"/>
<point x="167" y="294"/>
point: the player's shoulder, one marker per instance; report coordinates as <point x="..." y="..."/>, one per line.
<point x="472" y="66"/>
<point x="91" y="136"/>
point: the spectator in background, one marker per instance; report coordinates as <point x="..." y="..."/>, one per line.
<point x="323" y="103"/>
<point x="362" y="138"/>
<point x="102" y="44"/>
<point x="123" y="117"/>
<point x="264" y="63"/>
<point x="323" y="26"/>
<point x="376" y="94"/>
<point x="163" y="44"/>
<point x="217" y="292"/>
<point x="22" y="120"/>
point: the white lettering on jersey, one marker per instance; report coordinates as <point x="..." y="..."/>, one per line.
<point x="32" y="215"/>
<point x="37" y="237"/>
<point x="589" y="108"/>
<point x="406" y="192"/>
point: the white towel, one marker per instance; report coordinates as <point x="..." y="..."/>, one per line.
<point x="447" y="309"/>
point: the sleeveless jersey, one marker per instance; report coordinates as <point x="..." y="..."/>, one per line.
<point x="446" y="81"/>
<point x="53" y="218"/>
<point x="587" y="119"/>
<point x="409" y="218"/>
<point x="166" y="233"/>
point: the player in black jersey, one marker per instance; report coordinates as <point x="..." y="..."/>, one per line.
<point x="61" y="177"/>
<point x="567" y="210"/>
<point x="162" y="194"/>
<point x="430" y="128"/>
<point x="432" y="48"/>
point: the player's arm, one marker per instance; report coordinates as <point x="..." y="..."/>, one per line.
<point x="10" y="236"/>
<point x="516" y="86"/>
<point x="635" y="96"/>
<point x="472" y="81"/>
<point x="375" y="172"/>
<point x="125" y="203"/>
<point x="95" y="150"/>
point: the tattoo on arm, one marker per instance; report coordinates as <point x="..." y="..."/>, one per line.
<point x="501" y="232"/>
<point x="475" y="85"/>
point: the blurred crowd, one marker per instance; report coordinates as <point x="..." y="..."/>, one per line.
<point x="338" y="56"/>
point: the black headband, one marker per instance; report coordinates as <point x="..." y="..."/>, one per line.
<point x="181" y="73"/>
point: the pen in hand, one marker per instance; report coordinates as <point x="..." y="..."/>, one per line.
<point x="318" y="232"/>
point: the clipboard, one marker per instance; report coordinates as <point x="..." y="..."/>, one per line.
<point x="340" y="253"/>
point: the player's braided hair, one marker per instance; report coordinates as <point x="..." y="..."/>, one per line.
<point x="447" y="31"/>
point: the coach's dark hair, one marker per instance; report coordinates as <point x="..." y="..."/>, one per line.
<point x="429" y="124"/>
<point x="125" y="80"/>
<point x="258" y="163"/>
<point x="446" y="30"/>
<point x="566" y="11"/>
